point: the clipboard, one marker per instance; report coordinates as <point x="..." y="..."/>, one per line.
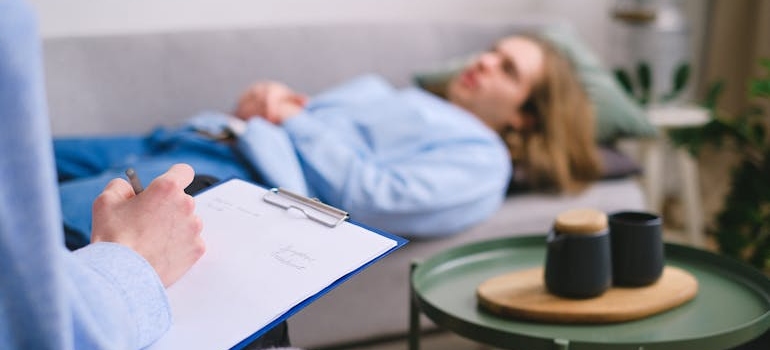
<point x="270" y="253"/>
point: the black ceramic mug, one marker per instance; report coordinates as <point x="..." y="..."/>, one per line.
<point x="637" y="248"/>
<point x="578" y="256"/>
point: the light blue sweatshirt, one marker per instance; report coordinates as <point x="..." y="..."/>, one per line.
<point x="103" y="296"/>
<point x="401" y="160"/>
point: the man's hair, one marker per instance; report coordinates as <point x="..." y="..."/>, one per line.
<point x="559" y="152"/>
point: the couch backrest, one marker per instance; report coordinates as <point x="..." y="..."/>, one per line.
<point x="130" y="83"/>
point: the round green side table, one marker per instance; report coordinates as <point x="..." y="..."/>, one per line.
<point x="732" y="306"/>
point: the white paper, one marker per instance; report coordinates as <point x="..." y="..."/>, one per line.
<point x="260" y="261"/>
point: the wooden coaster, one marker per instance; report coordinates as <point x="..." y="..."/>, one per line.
<point x="522" y="294"/>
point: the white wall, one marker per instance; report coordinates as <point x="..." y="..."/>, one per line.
<point x="84" y="17"/>
<point x="88" y="17"/>
<point x="102" y="17"/>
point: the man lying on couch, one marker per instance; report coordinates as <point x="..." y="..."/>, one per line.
<point x="403" y="160"/>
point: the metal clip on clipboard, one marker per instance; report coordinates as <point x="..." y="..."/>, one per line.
<point x="312" y="208"/>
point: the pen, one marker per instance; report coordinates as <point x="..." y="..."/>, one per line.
<point x="134" y="180"/>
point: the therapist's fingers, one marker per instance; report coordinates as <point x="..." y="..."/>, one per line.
<point x="178" y="176"/>
<point x="118" y="189"/>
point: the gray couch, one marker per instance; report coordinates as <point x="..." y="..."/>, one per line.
<point x="119" y="84"/>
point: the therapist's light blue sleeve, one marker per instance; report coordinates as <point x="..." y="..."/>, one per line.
<point x="104" y="296"/>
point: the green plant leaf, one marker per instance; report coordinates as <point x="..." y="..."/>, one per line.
<point x="765" y="62"/>
<point x="759" y="88"/>
<point x="712" y="96"/>
<point x="680" y="79"/>
<point x="625" y="81"/>
<point x="644" y="75"/>
<point x="758" y="135"/>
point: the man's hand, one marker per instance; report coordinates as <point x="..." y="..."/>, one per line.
<point x="271" y="100"/>
<point x="160" y="223"/>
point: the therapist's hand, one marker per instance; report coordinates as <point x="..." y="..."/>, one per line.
<point x="160" y="223"/>
<point x="270" y="100"/>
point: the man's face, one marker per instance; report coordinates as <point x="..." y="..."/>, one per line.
<point x="498" y="82"/>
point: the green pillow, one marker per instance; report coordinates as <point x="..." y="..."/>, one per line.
<point x="617" y="115"/>
<point x="436" y="79"/>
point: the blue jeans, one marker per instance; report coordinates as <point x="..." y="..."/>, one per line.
<point x="85" y="166"/>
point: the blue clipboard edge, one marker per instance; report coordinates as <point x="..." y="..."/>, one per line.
<point x="400" y="242"/>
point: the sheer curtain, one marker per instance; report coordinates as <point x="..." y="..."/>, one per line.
<point x="737" y="36"/>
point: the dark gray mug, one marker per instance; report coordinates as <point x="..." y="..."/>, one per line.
<point x="637" y="248"/>
<point x="578" y="265"/>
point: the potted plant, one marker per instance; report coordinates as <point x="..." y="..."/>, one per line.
<point x="640" y="88"/>
<point x="742" y="226"/>
<point x="653" y="53"/>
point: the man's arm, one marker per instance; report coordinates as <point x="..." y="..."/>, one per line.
<point x="270" y="100"/>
